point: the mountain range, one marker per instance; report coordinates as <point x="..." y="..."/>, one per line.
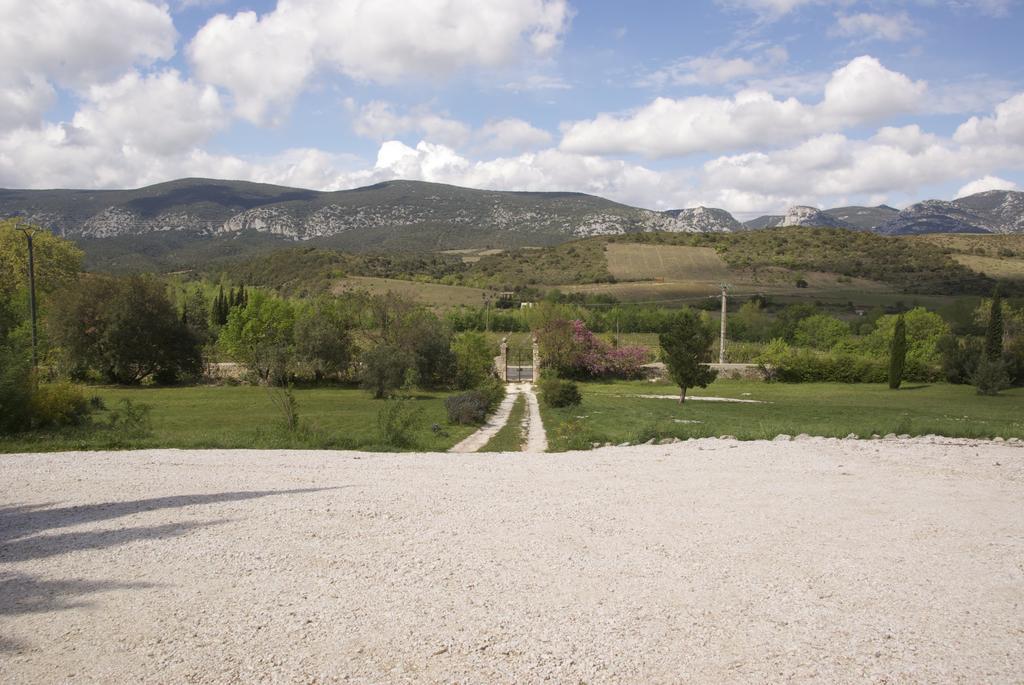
<point x="431" y="216"/>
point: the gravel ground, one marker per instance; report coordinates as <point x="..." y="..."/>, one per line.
<point x="705" y="561"/>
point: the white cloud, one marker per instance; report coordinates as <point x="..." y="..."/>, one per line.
<point x="821" y="170"/>
<point x="986" y="183"/>
<point x="1007" y="126"/>
<point x="860" y="92"/>
<point x="265" y="61"/>
<point x="124" y="133"/>
<point x="511" y="135"/>
<point x="48" y="43"/>
<point x="159" y="113"/>
<point x="869" y="26"/>
<point x="715" y="70"/>
<point x="537" y="82"/>
<point x="379" y="121"/>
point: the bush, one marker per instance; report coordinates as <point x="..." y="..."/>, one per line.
<point x="494" y="389"/>
<point x="990" y="377"/>
<point x="398" y="422"/>
<point x="130" y="420"/>
<point x="555" y="392"/>
<point x="15" y="390"/>
<point x="468" y="408"/>
<point x="58" y="405"/>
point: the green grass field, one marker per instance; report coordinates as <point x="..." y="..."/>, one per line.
<point x="996" y="267"/>
<point x="244" y="417"/>
<point x="511" y="437"/>
<point x="611" y="412"/>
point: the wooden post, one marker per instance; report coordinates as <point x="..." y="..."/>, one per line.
<point x="721" y="342"/>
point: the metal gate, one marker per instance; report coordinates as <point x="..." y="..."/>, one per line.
<point x="519" y="365"/>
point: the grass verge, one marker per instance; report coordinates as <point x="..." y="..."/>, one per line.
<point x="511" y="436"/>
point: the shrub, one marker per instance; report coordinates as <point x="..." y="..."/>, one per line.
<point x="556" y="392"/>
<point x="398" y="422"/>
<point x="990" y="377"/>
<point x="468" y="408"/>
<point x="130" y="420"/>
<point x="15" y="390"/>
<point x="58" y="405"/>
<point x="494" y="389"/>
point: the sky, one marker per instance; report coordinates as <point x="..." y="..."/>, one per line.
<point x="748" y="105"/>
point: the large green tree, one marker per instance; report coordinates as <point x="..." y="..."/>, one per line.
<point x="125" y="329"/>
<point x="323" y="338"/>
<point x="686" y="350"/>
<point x="261" y="336"/>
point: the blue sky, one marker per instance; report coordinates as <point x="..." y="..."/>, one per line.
<point x="748" y="105"/>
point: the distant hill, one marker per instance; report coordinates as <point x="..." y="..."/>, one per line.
<point x="193" y="221"/>
<point x="994" y="211"/>
<point x="864" y="218"/>
<point x="391" y="215"/>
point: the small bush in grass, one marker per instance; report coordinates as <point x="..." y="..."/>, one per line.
<point x="58" y="405"/>
<point x="468" y="408"/>
<point x="398" y="422"/>
<point x="556" y="392"/>
<point x="130" y="420"/>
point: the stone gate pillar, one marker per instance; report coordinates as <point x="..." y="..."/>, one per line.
<point x="501" y="361"/>
<point x="536" y="360"/>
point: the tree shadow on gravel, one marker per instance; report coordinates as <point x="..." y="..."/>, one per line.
<point x="20" y="521"/>
<point x="23" y="537"/>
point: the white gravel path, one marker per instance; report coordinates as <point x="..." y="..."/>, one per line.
<point x="710" y="561"/>
<point x="536" y="438"/>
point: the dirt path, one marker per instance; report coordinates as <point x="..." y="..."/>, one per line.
<point x="707" y="561"/>
<point x="536" y="440"/>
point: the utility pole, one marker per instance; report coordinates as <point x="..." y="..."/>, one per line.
<point x="29" y="232"/>
<point x="721" y="342"/>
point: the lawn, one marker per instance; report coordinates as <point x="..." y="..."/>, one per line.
<point x="611" y="412"/>
<point x="245" y="416"/>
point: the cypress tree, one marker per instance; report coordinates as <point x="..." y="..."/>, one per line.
<point x="232" y="298"/>
<point x="897" y="353"/>
<point x="243" y="298"/>
<point x="994" y="331"/>
<point x="220" y="308"/>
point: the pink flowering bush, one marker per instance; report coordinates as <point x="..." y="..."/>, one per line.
<point x="571" y="349"/>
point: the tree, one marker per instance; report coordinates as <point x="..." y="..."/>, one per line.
<point x="996" y="328"/>
<point x="898" y="354"/>
<point x="219" y="315"/>
<point x="474" y="359"/>
<point x="384" y="368"/>
<point x="125" y="329"/>
<point x="820" y="331"/>
<point x="323" y="342"/>
<point x="261" y="336"/>
<point x="686" y="349"/>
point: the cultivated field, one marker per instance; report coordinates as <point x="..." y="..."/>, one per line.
<point x="639" y="262"/>
<point x="708" y="561"/>
<point x="432" y="294"/>
<point x="996" y="267"/>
